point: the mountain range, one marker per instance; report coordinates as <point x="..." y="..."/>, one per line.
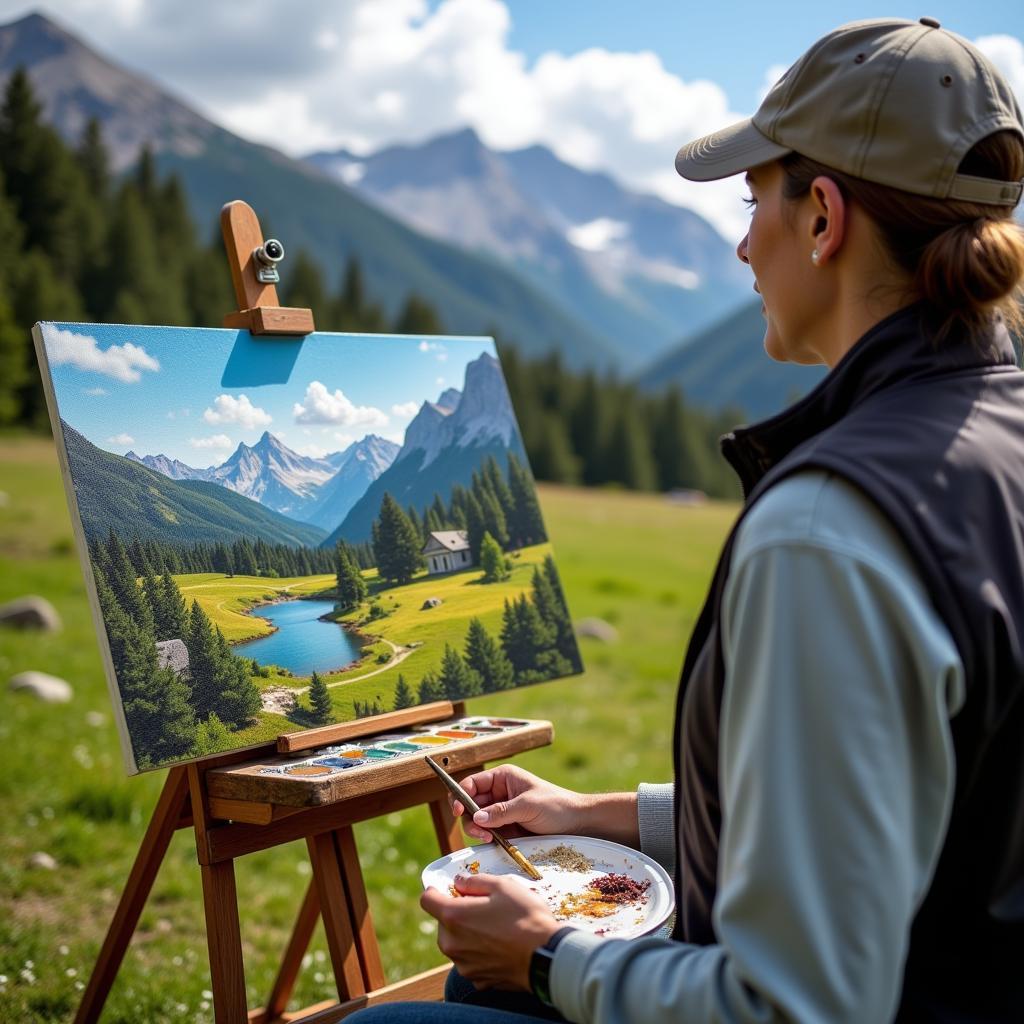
<point x="312" y="490"/>
<point x="630" y="265"/>
<point x="111" y="489"/>
<point x="475" y="292"/>
<point x="444" y="443"/>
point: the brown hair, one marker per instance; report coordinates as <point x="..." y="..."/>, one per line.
<point x="966" y="260"/>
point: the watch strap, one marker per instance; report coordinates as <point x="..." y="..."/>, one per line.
<point x="540" y="966"/>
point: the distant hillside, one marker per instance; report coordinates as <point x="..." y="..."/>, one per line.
<point x="116" y="492"/>
<point x="725" y="365"/>
<point x="473" y="294"/>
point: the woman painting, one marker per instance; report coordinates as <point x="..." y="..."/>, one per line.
<point x="846" y="824"/>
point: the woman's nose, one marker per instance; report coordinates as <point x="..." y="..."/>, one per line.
<point x="741" y="250"/>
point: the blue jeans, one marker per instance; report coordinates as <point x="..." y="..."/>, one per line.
<point x="463" y="1004"/>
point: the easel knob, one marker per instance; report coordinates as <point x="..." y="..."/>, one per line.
<point x="253" y="264"/>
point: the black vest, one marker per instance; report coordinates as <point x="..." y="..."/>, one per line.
<point x="934" y="436"/>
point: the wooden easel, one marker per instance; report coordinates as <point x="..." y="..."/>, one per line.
<point x="234" y="812"/>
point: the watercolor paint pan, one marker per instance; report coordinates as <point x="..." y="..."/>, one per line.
<point x="401" y="746"/>
<point x="309" y="770"/>
<point x="430" y="740"/>
<point x="373" y="754"/>
<point x="458" y="734"/>
<point x="340" y="762"/>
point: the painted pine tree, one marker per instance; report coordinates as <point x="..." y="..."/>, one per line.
<point x="319" y="699"/>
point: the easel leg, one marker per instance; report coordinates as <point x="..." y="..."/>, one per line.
<point x="162" y="825"/>
<point x="359" y="909"/>
<point x="284" y="984"/>
<point x="223" y="937"/>
<point x="449" y="834"/>
<point x="330" y="883"/>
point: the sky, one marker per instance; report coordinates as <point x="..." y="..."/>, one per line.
<point x="608" y="85"/>
<point x="195" y="394"/>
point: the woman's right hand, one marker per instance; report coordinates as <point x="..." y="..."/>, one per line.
<point x="520" y="804"/>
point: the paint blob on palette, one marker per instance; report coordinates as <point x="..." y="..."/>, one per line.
<point x="374" y="751"/>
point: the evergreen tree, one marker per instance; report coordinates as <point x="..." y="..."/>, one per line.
<point x="94" y="160"/>
<point x="526" y="526"/>
<point x="499" y="487"/>
<point x="14" y="373"/>
<point x="417" y="317"/>
<point x="156" y="701"/>
<point x="494" y="519"/>
<point x="351" y="587"/>
<point x="169" y="611"/>
<point x="212" y="737"/>
<point x="487" y="659"/>
<point x="204" y="662"/>
<point x="397" y="546"/>
<point x="550" y="604"/>
<point x="457" y="680"/>
<point x="628" y="459"/>
<point x="492" y="561"/>
<point x="305" y="285"/>
<point x="319" y="699"/>
<point x="476" y="526"/>
<point x="122" y="580"/>
<point x="239" y="698"/>
<point x="403" y="695"/>
<point x="430" y="689"/>
<point x="523" y="638"/>
<point x="417" y="524"/>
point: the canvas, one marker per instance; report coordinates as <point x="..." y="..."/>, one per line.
<point x="284" y="533"/>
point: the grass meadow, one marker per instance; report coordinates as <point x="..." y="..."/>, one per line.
<point x="637" y="561"/>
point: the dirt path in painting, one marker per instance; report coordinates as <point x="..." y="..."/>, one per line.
<point x="400" y="654"/>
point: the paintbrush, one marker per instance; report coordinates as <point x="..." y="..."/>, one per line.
<point x="472" y="806"/>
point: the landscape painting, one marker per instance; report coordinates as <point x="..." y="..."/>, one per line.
<point x="285" y="533"/>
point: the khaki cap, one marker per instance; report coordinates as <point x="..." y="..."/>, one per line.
<point x="894" y="102"/>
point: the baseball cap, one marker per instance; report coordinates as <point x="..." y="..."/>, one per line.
<point x="890" y="101"/>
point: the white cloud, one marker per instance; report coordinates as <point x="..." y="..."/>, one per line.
<point x="1007" y="53"/>
<point x="406" y="410"/>
<point x="122" y="362"/>
<point x="96" y="392"/>
<point x="322" y="406"/>
<point x="218" y="442"/>
<point x="440" y="381"/>
<point x="314" y="451"/>
<point x="597" y="235"/>
<point x="121" y="440"/>
<point x="228" y="409"/>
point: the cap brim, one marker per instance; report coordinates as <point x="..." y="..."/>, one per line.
<point x="729" y="151"/>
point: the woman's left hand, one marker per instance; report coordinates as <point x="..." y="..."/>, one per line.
<point x="491" y="930"/>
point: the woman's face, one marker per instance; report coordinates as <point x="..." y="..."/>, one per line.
<point x="778" y="247"/>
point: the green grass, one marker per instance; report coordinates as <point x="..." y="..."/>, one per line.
<point x="636" y="561"/>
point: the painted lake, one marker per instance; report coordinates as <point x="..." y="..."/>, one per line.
<point x="302" y="643"/>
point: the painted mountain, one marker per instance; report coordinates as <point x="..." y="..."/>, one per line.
<point x="473" y="293"/>
<point x="445" y="442"/>
<point x="319" y="491"/>
<point x="725" y="366"/>
<point x="113" y="489"/>
<point x="625" y="264"/>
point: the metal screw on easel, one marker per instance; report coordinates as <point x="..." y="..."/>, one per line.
<point x="267" y="256"/>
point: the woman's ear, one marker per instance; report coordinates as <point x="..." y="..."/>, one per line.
<point x="828" y="215"/>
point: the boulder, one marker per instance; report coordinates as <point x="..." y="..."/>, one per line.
<point x="30" y="613"/>
<point x="43" y="861"/>
<point x="48" y="689"/>
<point x="597" y="629"/>
<point x="431" y="602"/>
<point x="172" y="654"/>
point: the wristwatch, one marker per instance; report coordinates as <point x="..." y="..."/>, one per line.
<point x="540" y="966"/>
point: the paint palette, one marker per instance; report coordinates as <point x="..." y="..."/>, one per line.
<point x="377" y="750"/>
<point x="639" y="902"/>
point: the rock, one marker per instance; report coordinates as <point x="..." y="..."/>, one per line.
<point x="431" y="602"/>
<point x="172" y="654"/>
<point x="48" y="689"/>
<point x="30" y="613"/>
<point x="42" y="861"/>
<point x="597" y="629"/>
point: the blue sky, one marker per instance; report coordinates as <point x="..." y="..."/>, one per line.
<point x="194" y="394"/>
<point x="607" y="85"/>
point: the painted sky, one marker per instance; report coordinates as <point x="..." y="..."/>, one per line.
<point x="607" y="85"/>
<point x="194" y="394"/>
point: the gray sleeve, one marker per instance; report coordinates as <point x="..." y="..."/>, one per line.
<point x="836" y="784"/>
<point x="655" y="811"/>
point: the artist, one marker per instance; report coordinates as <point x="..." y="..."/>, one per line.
<point x="846" y="826"/>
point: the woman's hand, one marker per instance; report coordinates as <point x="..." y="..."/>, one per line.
<point x="492" y="929"/>
<point x="520" y="804"/>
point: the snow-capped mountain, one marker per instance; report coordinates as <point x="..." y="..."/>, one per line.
<point x="272" y="474"/>
<point x="319" y="490"/>
<point x="359" y="465"/>
<point x="173" y="468"/>
<point x="627" y="264"/>
<point x="445" y="442"/>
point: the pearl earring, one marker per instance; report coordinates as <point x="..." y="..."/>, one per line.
<point x="815" y="256"/>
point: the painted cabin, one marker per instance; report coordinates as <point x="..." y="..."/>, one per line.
<point x="447" y="551"/>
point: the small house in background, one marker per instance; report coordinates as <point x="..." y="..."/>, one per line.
<point x="447" y="551"/>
